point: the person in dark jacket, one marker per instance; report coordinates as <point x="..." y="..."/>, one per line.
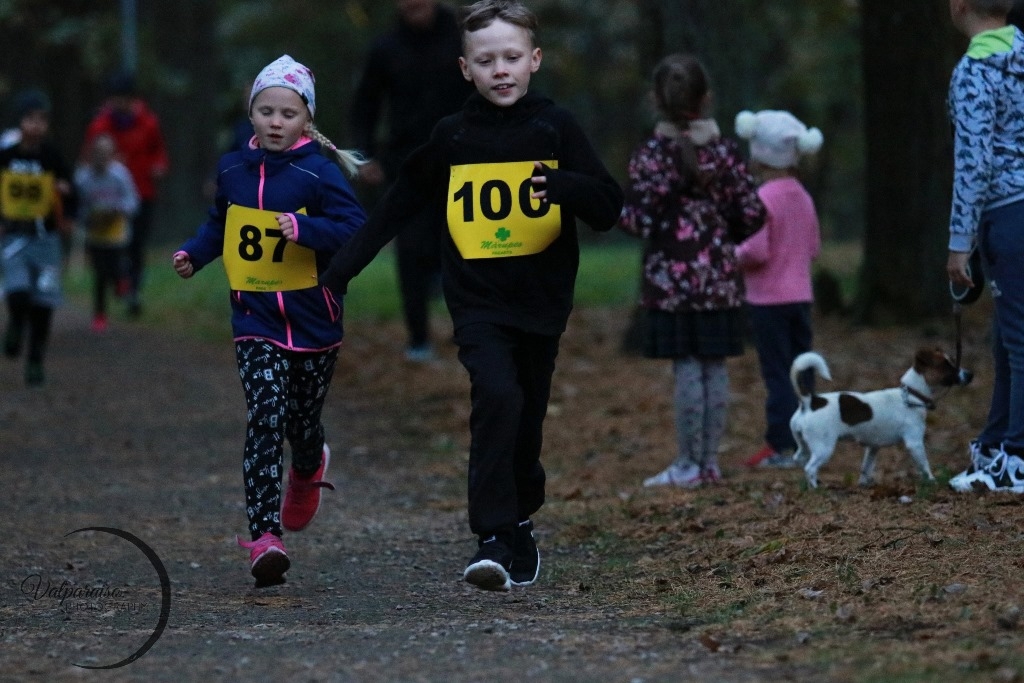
<point x="412" y="75"/>
<point x="511" y="173"/>
<point x="282" y="209"/>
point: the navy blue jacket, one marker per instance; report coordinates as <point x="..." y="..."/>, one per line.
<point x="304" y="319"/>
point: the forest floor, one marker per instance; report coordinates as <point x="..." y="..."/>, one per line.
<point x="756" y="579"/>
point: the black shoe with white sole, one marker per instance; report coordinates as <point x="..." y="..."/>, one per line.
<point x="525" y="556"/>
<point x="488" y="570"/>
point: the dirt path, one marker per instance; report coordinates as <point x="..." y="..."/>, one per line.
<point x="138" y="431"/>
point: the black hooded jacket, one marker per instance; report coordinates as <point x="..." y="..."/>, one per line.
<point x="531" y="292"/>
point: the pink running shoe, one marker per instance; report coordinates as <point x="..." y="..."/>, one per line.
<point x="302" y="497"/>
<point x="756" y="459"/>
<point x="711" y="474"/>
<point x="268" y="560"/>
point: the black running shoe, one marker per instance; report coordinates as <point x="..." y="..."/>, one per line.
<point x="525" y="556"/>
<point x="488" y="570"/>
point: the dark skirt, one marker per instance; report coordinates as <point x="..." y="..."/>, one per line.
<point x="708" y="334"/>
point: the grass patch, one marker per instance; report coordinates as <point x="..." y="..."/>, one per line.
<point x="609" y="276"/>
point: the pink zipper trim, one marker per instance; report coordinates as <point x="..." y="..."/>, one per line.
<point x="280" y="295"/>
<point x="333" y="307"/>
<point x="263" y="178"/>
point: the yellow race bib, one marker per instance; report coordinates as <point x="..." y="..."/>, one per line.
<point x="491" y="214"/>
<point x="26" y="196"/>
<point x="107" y="228"/>
<point x="258" y="258"/>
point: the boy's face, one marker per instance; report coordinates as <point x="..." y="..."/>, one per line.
<point x="279" y="117"/>
<point x="499" y="60"/>
<point x="34" y="126"/>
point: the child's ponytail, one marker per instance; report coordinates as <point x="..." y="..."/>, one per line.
<point x="350" y="161"/>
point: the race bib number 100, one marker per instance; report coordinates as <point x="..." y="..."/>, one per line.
<point x="491" y="213"/>
<point x="258" y="258"/>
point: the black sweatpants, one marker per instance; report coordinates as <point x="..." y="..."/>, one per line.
<point x="510" y="384"/>
<point x="284" y="395"/>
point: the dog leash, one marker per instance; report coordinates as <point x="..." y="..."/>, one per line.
<point x="957" y="326"/>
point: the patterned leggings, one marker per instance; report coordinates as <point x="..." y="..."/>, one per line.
<point x="701" y="402"/>
<point x="284" y="394"/>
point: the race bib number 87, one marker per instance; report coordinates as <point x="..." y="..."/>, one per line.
<point x="491" y="213"/>
<point x="258" y="258"/>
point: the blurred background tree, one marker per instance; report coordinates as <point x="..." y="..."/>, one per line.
<point x="816" y="59"/>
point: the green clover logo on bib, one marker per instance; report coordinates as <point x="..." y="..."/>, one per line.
<point x="503" y="234"/>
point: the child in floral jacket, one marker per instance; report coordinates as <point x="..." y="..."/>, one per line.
<point x="692" y="199"/>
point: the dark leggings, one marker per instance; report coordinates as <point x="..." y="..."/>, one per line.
<point x="22" y="313"/>
<point x="108" y="269"/>
<point x="284" y="394"/>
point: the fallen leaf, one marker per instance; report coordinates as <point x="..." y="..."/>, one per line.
<point x="710" y="642"/>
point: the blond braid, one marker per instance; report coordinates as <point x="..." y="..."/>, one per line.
<point x="350" y="161"/>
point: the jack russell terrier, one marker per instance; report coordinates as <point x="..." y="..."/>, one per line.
<point x="874" y="419"/>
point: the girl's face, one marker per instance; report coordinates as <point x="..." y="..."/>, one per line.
<point x="280" y="118"/>
<point x="499" y="60"/>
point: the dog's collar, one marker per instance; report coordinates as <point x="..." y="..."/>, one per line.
<point x="926" y="402"/>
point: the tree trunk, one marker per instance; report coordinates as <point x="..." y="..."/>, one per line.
<point x="186" y="102"/>
<point x="907" y="63"/>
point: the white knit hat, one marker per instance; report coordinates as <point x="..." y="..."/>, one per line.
<point x="777" y="138"/>
<point x="285" y="72"/>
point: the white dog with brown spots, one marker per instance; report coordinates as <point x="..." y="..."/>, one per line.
<point x="873" y="419"/>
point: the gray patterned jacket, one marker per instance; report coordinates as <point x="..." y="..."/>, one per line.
<point x="986" y="105"/>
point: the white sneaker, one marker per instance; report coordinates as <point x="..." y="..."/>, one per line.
<point x="1004" y="473"/>
<point x="981" y="458"/>
<point x="688" y="477"/>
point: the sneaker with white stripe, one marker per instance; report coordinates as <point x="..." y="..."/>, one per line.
<point x="525" y="556"/>
<point x="981" y="457"/>
<point x="1004" y="473"/>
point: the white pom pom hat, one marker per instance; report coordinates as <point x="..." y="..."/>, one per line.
<point x="777" y="138"/>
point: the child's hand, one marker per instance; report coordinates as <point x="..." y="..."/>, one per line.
<point x="183" y="265"/>
<point x="540" y="182"/>
<point x="956" y="268"/>
<point x="287" y="227"/>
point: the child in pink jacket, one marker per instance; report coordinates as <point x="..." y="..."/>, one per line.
<point x="776" y="263"/>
